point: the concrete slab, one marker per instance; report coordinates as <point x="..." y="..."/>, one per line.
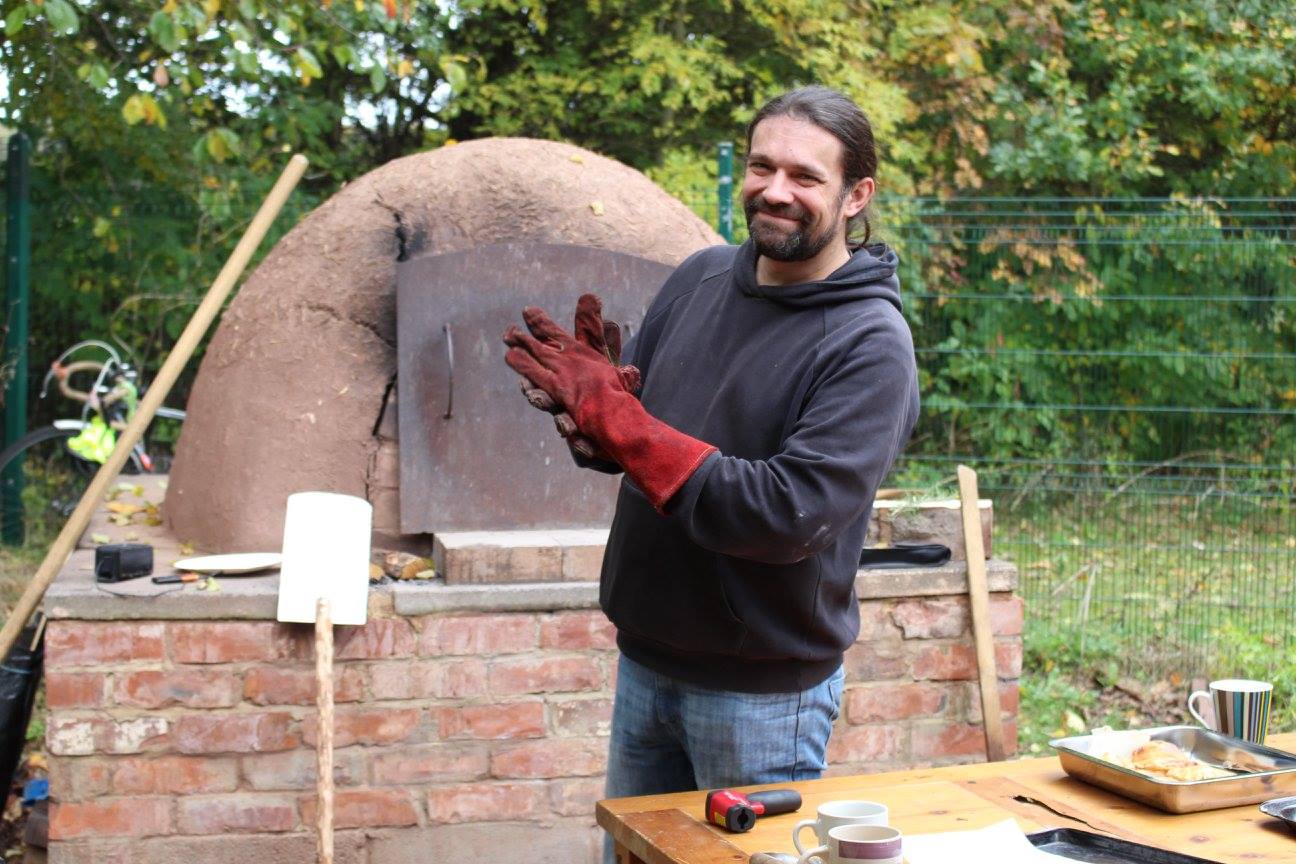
<point x="536" y="597"/>
<point x="908" y="521"/>
<point x="562" y="567"/>
<point x="881" y="584"/>
<point x="481" y="557"/>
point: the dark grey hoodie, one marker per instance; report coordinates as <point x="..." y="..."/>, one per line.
<point x="809" y="392"/>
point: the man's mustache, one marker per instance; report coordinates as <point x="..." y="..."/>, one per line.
<point x="787" y="211"/>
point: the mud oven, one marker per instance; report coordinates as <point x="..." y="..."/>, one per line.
<point x="473" y="708"/>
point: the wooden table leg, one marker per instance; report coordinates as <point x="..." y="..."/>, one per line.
<point x="625" y="856"/>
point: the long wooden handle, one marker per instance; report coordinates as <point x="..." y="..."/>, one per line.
<point x="184" y="348"/>
<point x="979" y="600"/>
<point x="324" y="733"/>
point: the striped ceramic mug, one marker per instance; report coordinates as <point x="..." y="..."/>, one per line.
<point x="857" y="844"/>
<point x="1241" y="708"/>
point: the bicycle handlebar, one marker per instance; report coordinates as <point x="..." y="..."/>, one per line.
<point x="64" y="373"/>
<point x="114" y="361"/>
<point x="102" y="370"/>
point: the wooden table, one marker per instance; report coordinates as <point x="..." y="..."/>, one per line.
<point x="669" y="829"/>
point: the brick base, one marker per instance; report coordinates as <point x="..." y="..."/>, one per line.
<point x="190" y="742"/>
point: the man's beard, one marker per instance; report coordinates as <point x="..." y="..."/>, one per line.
<point x="798" y="245"/>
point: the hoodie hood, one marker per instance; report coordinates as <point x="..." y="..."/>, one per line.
<point x="870" y="272"/>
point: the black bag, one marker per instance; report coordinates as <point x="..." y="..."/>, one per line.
<point x="20" y="676"/>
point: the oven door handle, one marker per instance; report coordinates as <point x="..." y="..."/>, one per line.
<point x="449" y="342"/>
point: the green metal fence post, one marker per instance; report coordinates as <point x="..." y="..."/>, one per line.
<point x="724" y="190"/>
<point x="17" y="263"/>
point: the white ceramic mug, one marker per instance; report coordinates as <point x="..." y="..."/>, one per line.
<point x="1240" y="708"/>
<point x="858" y="844"/>
<point x="834" y="813"/>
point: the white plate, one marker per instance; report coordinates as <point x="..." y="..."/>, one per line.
<point x="243" y="562"/>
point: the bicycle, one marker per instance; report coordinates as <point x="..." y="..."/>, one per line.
<point x="62" y="457"/>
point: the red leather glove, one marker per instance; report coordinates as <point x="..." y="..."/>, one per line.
<point x="604" y="337"/>
<point x="658" y="458"/>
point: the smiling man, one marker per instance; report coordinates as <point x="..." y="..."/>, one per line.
<point x="776" y="387"/>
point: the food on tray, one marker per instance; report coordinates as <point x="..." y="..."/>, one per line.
<point x="1164" y="759"/>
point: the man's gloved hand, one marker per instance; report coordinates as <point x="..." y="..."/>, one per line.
<point x="604" y="337"/>
<point x="600" y="401"/>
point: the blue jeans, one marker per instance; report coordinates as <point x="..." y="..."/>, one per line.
<point x="668" y="736"/>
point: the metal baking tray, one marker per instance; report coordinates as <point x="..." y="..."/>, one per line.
<point x="1100" y="849"/>
<point x="1274" y="773"/>
<point x="1281" y="808"/>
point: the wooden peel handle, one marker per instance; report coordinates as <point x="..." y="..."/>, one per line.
<point x="324" y="736"/>
<point x="184" y="348"/>
<point x="979" y="601"/>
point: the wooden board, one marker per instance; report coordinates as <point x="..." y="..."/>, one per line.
<point x="1035" y="792"/>
<point x="1237" y="834"/>
<point x="916" y="808"/>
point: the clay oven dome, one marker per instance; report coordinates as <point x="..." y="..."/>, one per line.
<point x="291" y="392"/>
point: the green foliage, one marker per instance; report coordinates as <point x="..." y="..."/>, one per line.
<point x="1067" y="691"/>
<point x="1147" y="98"/>
<point x="160" y="125"/>
<point x="1061" y="687"/>
<point x="1251" y="654"/>
<point x="1038" y="323"/>
<point x="1072" y="685"/>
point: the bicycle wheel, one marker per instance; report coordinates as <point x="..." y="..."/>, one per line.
<point x="53" y="481"/>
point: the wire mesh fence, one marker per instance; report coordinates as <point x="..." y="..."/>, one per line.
<point x="1122" y="375"/>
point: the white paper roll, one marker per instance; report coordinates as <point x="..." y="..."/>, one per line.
<point x="325" y="554"/>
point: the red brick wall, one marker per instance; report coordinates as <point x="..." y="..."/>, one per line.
<point x="192" y="741"/>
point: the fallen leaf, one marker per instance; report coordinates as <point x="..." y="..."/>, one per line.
<point x="404" y="565"/>
<point x="577" y="158"/>
<point x="122" y="508"/>
<point x="597" y="207"/>
<point x="101" y="538"/>
<point x="426" y="574"/>
<point x="186" y="549"/>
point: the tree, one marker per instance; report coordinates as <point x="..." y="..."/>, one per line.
<point x="159" y="125"/>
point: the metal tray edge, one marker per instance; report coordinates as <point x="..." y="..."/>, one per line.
<point x="1180" y="796"/>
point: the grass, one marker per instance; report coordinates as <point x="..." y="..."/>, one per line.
<point x="1065" y="692"/>
<point x="1134" y="601"/>
<point x="17" y="564"/>
<point x="1131" y="601"/>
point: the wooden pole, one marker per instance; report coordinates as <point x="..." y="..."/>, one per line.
<point x="979" y="600"/>
<point x="184" y="348"/>
<point x="324" y="735"/>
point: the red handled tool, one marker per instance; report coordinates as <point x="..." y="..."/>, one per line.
<point x="738" y="812"/>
